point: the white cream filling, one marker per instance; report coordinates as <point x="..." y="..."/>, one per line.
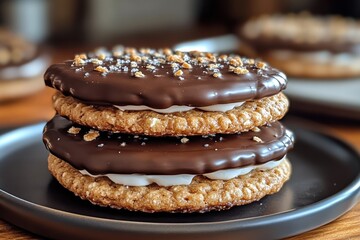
<point x="182" y="179"/>
<point x="213" y="108"/>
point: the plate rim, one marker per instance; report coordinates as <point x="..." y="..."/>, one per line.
<point x="347" y="197"/>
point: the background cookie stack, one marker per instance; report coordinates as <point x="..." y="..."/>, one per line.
<point x="21" y="66"/>
<point x="164" y="131"/>
<point x="305" y="45"/>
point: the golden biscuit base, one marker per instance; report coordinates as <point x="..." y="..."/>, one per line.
<point x="202" y="195"/>
<point x="194" y="122"/>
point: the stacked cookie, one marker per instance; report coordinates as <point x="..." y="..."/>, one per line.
<point x="21" y="66"/>
<point x="163" y="131"/>
<point x="304" y="45"/>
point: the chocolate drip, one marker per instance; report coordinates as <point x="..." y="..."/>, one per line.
<point x="159" y="88"/>
<point x="122" y="153"/>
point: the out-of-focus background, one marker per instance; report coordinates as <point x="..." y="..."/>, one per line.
<point x="78" y="22"/>
<point x="62" y="28"/>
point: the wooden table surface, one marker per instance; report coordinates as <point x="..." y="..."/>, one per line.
<point x="38" y="108"/>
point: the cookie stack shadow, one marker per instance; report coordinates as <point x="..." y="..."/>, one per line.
<point x="165" y="131"/>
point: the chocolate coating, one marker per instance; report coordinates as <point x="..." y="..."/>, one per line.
<point x="165" y="155"/>
<point x="160" y="87"/>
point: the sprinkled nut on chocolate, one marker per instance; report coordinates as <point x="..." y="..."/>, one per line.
<point x="74" y="130"/>
<point x="91" y="135"/>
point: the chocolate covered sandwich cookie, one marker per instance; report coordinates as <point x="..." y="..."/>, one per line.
<point x="172" y="174"/>
<point x="162" y="131"/>
<point x="303" y="45"/>
<point x="21" y="66"/>
<point x="167" y="93"/>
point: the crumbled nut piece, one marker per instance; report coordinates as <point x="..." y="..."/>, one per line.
<point x="139" y="74"/>
<point x="83" y="56"/>
<point x="175" y="65"/>
<point x="186" y="65"/>
<point x="101" y="56"/>
<point x="91" y="135"/>
<point x="149" y="66"/>
<point x="206" y="145"/>
<point x="133" y="64"/>
<point x="117" y="54"/>
<point x="236" y="62"/>
<point x="260" y="65"/>
<point x="201" y="59"/>
<point x="131" y="51"/>
<point x="184" y="140"/>
<point x="213" y="66"/>
<point x="167" y="51"/>
<point x="101" y="69"/>
<point x="257" y="139"/>
<point x="217" y="74"/>
<point x="175" y="58"/>
<point x="223" y="57"/>
<point x="256" y="129"/>
<point x="239" y="70"/>
<point x="212" y="58"/>
<point x="251" y="61"/>
<point x="178" y="73"/>
<point x="78" y="61"/>
<point x="123" y="144"/>
<point x="96" y="61"/>
<point x="135" y="58"/>
<point x="74" y="130"/>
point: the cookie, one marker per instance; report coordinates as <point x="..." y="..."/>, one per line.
<point x="21" y="67"/>
<point x="167" y="93"/>
<point x="194" y="122"/>
<point x="201" y="195"/>
<point x="303" y="45"/>
<point x="163" y="131"/>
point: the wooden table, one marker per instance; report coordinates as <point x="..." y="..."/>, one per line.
<point x="38" y="108"/>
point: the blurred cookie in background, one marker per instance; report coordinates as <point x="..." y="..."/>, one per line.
<point x="22" y="65"/>
<point x="305" y="45"/>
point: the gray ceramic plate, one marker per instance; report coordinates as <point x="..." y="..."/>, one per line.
<point x="324" y="185"/>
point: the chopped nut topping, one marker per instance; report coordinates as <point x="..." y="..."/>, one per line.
<point x="175" y="58"/>
<point x="184" y="140"/>
<point x="251" y="61"/>
<point x="223" y="57"/>
<point x="186" y="65"/>
<point x="167" y="51"/>
<point x="74" y="130"/>
<point x="78" y="61"/>
<point x="82" y="56"/>
<point x="139" y="74"/>
<point x="260" y="65"/>
<point x="256" y="129"/>
<point x="101" y="69"/>
<point x="239" y="70"/>
<point x="135" y="58"/>
<point x="257" y="139"/>
<point x="178" y="73"/>
<point x="101" y="56"/>
<point x="217" y="74"/>
<point x="150" y="67"/>
<point x="96" y="61"/>
<point x="91" y="135"/>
